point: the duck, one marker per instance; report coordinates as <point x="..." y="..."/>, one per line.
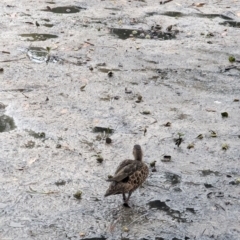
<point x="129" y="175"/>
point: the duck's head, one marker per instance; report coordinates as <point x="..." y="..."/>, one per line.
<point x="137" y="152"/>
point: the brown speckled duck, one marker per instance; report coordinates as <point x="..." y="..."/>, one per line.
<point x="129" y="175"/>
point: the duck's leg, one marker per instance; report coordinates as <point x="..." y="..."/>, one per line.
<point x="124" y="197"/>
<point x="125" y="203"/>
<point x="126" y="200"/>
<point x="129" y="195"/>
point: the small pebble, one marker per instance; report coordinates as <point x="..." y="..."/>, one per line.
<point x="82" y="234"/>
<point x="224" y="114"/>
<point x="166" y="158"/>
<point x="99" y="159"/>
<point x="110" y="73"/>
<point x="146" y="112"/>
<point x="168" y="124"/>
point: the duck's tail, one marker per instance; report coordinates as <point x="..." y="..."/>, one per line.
<point x="108" y="193"/>
<point x="113" y="189"/>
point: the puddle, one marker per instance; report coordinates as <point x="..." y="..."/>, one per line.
<point x="64" y="10"/>
<point x="215" y="195"/>
<point x="212" y="16"/>
<point x="6" y="123"/>
<point x="106" y="70"/>
<point x="169" y="14"/>
<point x="207" y="185"/>
<point x="130" y="33"/>
<point x="95" y="238"/>
<point x="38" y="54"/>
<point x="102" y="130"/>
<point x="175" y="214"/>
<point x="208" y="172"/>
<point x="49" y="25"/>
<point x="192" y="210"/>
<point x="173" y="178"/>
<point x="200" y="15"/>
<point x="231" y="24"/>
<point x="29" y="144"/>
<point x="21" y="90"/>
<point x="32" y="37"/>
<point x="60" y="183"/>
<point x="36" y="134"/>
<point x="113" y="9"/>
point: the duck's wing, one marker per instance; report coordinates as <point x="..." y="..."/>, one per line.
<point x="123" y="164"/>
<point x="127" y="169"/>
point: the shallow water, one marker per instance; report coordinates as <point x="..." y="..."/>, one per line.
<point x="65" y="108"/>
<point x="32" y="37"/>
<point x="64" y="9"/>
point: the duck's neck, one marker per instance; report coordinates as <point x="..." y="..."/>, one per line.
<point x="138" y="155"/>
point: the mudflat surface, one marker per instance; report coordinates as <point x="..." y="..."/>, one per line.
<point x="171" y="78"/>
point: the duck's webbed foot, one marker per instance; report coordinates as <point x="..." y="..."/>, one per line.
<point x="126" y="205"/>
